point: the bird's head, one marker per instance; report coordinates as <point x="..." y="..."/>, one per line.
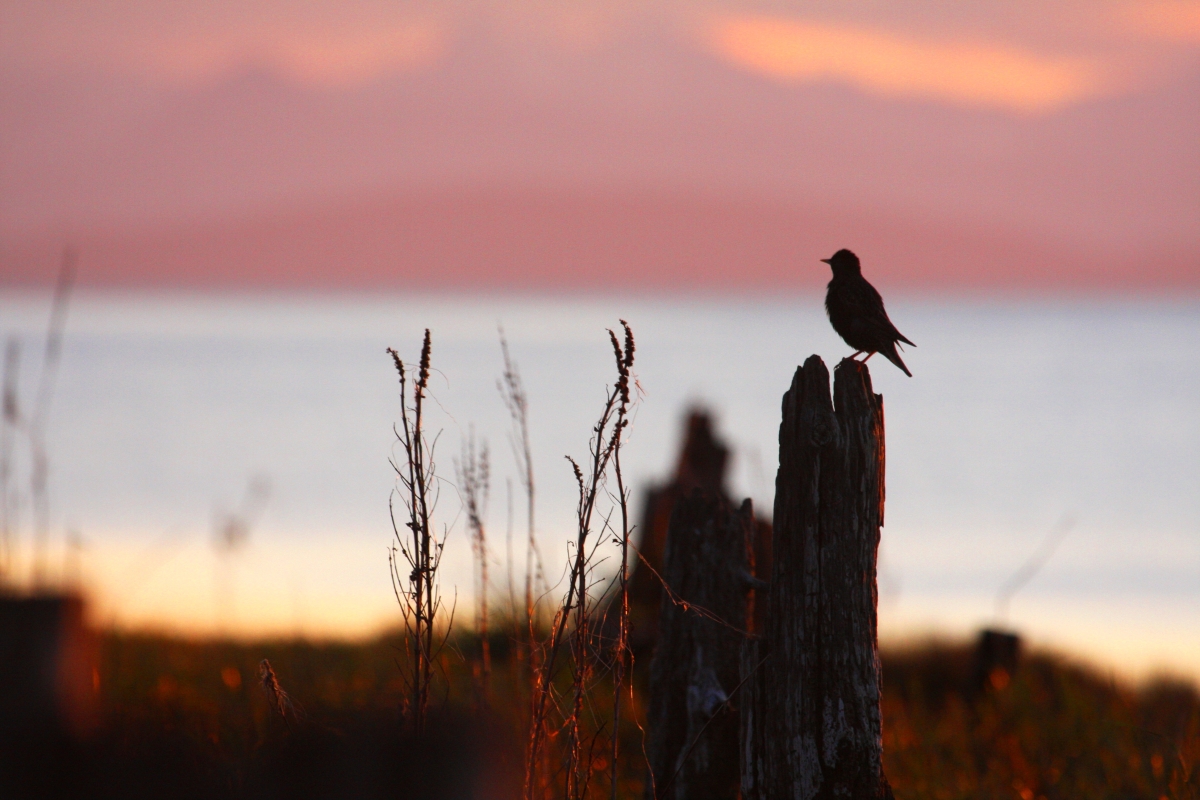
<point x="843" y="262"/>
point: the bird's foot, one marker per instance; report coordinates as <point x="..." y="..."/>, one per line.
<point x="855" y="358"/>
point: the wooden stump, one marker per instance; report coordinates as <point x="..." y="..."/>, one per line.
<point x="997" y="655"/>
<point x="47" y="668"/>
<point x="810" y="707"/>
<point x="693" y="734"/>
<point x="701" y="464"/>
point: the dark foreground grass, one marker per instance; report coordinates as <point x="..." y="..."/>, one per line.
<point x="189" y="719"/>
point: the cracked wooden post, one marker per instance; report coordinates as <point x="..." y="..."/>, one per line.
<point x="693" y="734"/>
<point x="810" y="719"/>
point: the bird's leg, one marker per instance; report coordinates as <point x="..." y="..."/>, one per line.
<point x="868" y="358"/>
<point x="856" y="355"/>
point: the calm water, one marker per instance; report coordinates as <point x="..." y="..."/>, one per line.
<point x="1022" y="419"/>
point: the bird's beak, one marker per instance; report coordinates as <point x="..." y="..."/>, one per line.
<point x="827" y="260"/>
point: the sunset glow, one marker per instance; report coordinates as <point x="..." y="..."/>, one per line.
<point x="1171" y="20"/>
<point x="880" y="62"/>
<point x="327" y="467"/>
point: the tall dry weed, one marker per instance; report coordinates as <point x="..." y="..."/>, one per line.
<point x="416" y="554"/>
<point x="564" y="718"/>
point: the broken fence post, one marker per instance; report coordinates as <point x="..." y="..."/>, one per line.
<point x="810" y="717"/>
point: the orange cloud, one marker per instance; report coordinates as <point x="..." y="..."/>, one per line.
<point x="880" y="62"/>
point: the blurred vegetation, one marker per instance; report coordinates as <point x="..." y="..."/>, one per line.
<point x="190" y="719"/>
<point x="1054" y="730"/>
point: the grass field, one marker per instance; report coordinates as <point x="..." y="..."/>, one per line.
<point x="191" y="719"/>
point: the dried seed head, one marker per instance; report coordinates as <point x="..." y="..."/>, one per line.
<point x="577" y="470"/>
<point x="277" y="698"/>
<point x="612" y="337"/>
<point x="423" y="376"/>
<point x="396" y="360"/>
<point x="629" y="346"/>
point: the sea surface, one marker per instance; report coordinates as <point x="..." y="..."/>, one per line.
<point x="1066" y="432"/>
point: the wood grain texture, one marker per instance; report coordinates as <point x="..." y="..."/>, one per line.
<point x="810" y="718"/>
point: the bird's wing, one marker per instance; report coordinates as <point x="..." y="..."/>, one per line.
<point x="864" y="306"/>
<point x="874" y="315"/>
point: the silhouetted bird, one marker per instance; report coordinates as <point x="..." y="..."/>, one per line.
<point x="856" y="311"/>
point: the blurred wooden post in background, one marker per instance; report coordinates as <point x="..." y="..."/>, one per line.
<point x="997" y="654"/>
<point x="708" y="564"/>
<point x="810" y="718"/>
<point x="48" y="671"/>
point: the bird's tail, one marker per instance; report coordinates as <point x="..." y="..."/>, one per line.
<point x="891" y="355"/>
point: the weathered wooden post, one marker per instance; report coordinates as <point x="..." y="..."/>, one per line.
<point x="708" y="565"/>
<point x="810" y="714"/>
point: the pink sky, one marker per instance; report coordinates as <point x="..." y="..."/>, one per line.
<point x="699" y="146"/>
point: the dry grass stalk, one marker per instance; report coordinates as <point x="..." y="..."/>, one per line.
<point x="621" y="652"/>
<point x="508" y="551"/>
<point x="33" y="427"/>
<point x="473" y="484"/>
<point x="36" y="425"/>
<point x="277" y="698"/>
<point x="414" y="581"/>
<point x="9" y="424"/>
<point x="512" y="391"/>
<point x="574" y="625"/>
